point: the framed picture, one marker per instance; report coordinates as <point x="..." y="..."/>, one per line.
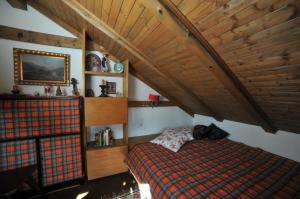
<point x="41" y="68"/>
<point x="111" y="87"/>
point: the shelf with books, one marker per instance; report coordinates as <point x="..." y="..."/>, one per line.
<point x="104" y="111"/>
<point x="94" y="146"/>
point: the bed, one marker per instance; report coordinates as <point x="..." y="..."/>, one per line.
<point x="214" y="169"/>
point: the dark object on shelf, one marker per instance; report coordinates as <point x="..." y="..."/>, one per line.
<point x="58" y="91"/>
<point x="103" y="90"/>
<point x="15" y="90"/>
<point x="75" y="91"/>
<point x="90" y="93"/>
<point x="105" y="64"/>
<point x="200" y="132"/>
<point x="93" y="62"/>
<point x="16" y="177"/>
<point x="216" y="133"/>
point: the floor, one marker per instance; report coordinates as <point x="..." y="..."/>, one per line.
<point x="102" y="188"/>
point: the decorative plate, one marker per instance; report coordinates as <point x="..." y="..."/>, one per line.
<point x="118" y="67"/>
<point x="92" y="60"/>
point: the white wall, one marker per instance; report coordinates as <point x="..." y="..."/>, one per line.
<point x="29" y="20"/>
<point x="141" y="120"/>
<point x="282" y="143"/>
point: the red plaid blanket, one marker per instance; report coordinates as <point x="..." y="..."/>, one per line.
<point x="214" y="169"/>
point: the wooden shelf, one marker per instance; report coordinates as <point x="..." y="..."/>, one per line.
<point x="109" y="74"/>
<point x="118" y="143"/>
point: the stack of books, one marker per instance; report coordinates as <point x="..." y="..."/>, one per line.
<point x="104" y="138"/>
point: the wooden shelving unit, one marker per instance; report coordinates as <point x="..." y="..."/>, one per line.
<point x="100" y="111"/>
<point x="108" y="74"/>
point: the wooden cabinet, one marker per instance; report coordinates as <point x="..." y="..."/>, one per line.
<point x="99" y="111"/>
<point x="107" y="161"/>
<point x="108" y="110"/>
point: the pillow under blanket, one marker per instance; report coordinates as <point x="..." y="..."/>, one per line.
<point x="216" y="133"/>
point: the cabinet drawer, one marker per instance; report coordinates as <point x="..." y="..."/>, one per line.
<point x="106" y="161"/>
<point x="105" y="110"/>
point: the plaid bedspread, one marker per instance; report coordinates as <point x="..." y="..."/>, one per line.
<point x="214" y="169"/>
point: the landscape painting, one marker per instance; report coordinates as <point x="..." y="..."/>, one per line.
<point x="41" y="68"/>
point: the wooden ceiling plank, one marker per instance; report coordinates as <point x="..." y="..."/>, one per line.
<point x="123" y="15"/>
<point x="91" y="45"/>
<point x="91" y="18"/>
<point x="19" y="4"/>
<point x="173" y="19"/>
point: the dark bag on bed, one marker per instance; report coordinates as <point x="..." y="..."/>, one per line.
<point x="215" y="132"/>
<point x="200" y="132"/>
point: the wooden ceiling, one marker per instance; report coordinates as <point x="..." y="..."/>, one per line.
<point x="237" y="60"/>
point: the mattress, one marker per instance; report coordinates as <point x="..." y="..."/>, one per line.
<point x="214" y="169"/>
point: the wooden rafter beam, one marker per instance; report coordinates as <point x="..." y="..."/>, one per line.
<point x="188" y="35"/>
<point x="91" y="45"/>
<point x="38" y="38"/>
<point x="19" y="4"/>
<point x="103" y="27"/>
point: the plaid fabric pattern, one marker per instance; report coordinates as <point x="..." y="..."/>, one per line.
<point x="214" y="169"/>
<point x="16" y="154"/>
<point x="61" y="159"/>
<point x="30" y="117"/>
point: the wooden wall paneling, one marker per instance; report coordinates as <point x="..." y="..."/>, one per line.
<point x="91" y="18"/>
<point x="265" y="22"/>
<point x="139" y="25"/>
<point x="114" y="12"/>
<point x="134" y="15"/>
<point x="205" y="52"/>
<point x="221" y="13"/>
<point x="38" y="38"/>
<point x="149" y="27"/>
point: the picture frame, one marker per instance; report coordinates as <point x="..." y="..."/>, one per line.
<point x="32" y="67"/>
<point x="111" y="87"/>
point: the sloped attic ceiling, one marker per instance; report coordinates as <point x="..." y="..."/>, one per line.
<point x="258" y="41"/>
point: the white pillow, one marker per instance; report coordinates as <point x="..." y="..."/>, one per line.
<point x="173" y="139"/>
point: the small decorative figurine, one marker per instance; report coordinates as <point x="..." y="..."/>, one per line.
<point x="103" y="87"/>
<point x="58" y="91"/>
<point x="75" y="91"/>
<point x="48" y="90"/>
<point x="15" y="90"/>
<point x="105" y="64"/>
